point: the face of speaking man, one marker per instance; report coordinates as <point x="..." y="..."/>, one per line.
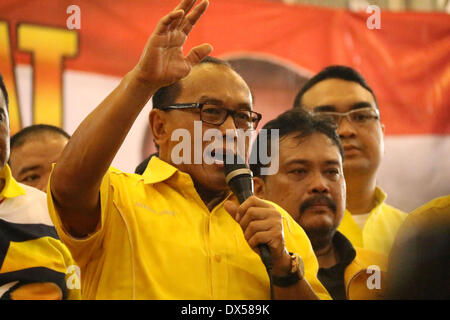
<point x="212" y="83"/>
<point x="31" y="162"/>
<point x="362" y="142"/>
<point x="4" y="132"/>
<point x="309" y="185"/>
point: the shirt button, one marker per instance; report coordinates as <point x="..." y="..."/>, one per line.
<point x="218" y="258"/>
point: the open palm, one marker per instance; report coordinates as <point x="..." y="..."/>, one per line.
<point x="162" y="62"/>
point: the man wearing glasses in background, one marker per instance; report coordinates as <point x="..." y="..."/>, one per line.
<point x="341" y="94"/>
<point x="175" y="232"/>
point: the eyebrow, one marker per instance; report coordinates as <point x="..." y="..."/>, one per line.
<point x="329" y="107"/>
<point x="29" y="168"/>
<point x="305" y="162"/>
<point x="219" y="102"/>
<point x="333" y="162"/>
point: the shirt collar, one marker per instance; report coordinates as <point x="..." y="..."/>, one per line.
<point x="158" y="170"/>
<point x="344" y="249"/>
<point x="12" y="188"/>
<point x="380" y="198"/>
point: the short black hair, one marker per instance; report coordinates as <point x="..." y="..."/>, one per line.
<point x="166" y="96"/>
<point x="23" y="135"/>
<point x="5" y="93"/>
<point x="333" y="72"/>
<point x="293" y="121"/>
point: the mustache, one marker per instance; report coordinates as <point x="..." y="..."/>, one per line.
<point x="318" y="199"/>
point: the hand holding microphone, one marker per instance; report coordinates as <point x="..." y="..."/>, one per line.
<point x="261" y="223"/>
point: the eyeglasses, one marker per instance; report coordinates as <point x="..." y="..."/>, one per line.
<point x="360" y="116"/>
<point x="213" y="114"/>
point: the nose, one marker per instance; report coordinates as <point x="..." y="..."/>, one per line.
<point x="229" y="133"/>
<point x="228" y="124"/>
<point x="318" y="184"/>
<point x="228" y="127"/>
<point x="345" y="128"/>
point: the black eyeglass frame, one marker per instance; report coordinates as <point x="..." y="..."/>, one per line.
<point x="199" y="105"/>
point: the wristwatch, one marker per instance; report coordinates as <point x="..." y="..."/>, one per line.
<point x="296" y="273"/>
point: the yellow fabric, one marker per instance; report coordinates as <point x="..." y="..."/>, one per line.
<point x="357" y="275"/>
<point x="31" y="253"/>
<point x="437" y="210"/>
<point x="158" y="240"/>
<point x="38" y="291"/>
<point x="12" y="188"/>
<point x="37" y="256"/>
<point x="380" y="228"/>
<point x="432" y="215"/>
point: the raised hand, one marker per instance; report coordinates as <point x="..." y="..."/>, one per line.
<point x="162" y="62"/>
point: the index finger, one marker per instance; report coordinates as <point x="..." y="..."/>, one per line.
<point x="193" y="16"/>
<point x="253" y="201"/>
<point x="185" y="5"/>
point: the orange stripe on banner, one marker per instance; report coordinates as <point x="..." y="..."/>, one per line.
<point x="48" y="67"/>
<point x="6" y="69"/>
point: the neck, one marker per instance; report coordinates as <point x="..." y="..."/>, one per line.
<point x="326" y="256"/>
<point x="323" y="248"/>
<point x="210" y="198"/>
<point x="360" y="193"/>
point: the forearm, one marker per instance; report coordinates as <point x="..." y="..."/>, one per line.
<point x="93" y="146"/>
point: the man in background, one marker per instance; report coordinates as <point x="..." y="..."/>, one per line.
<point x="33" y="150"/>
<point x="341" y="94"/>
<point x="310" y="185"/>
<point x="34" y="264"/>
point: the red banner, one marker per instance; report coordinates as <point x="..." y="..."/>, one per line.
<point x="407" y="61"/>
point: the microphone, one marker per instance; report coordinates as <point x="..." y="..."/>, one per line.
<point x="239" y="178"/>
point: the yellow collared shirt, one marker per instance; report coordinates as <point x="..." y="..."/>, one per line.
<point x="380" y="228"/>
<point x="365" y="277"/>
<point x="158" y="240"/>
<point x="34" y="263"/>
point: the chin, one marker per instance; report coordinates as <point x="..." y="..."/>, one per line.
<point x="214" y="181"/>
<point x="356" y="165"/>
<point x="318" y="224"/>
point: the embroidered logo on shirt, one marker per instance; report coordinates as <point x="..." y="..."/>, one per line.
<point x="146" y="207"/>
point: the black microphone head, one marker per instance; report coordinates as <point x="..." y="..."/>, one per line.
<point x="238" y="177"/>
<point x="235" y="166"/>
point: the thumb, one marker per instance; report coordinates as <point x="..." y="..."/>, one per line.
<point x="198" y="53"/>
<point x="232" y="209"/>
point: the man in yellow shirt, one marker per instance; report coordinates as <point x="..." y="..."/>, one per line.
<point x="341" y="94"/>
<point x="34" y="263"/>
<point x="419" y="262"/>
<point x="310" y="185"/>
<point x="166" y="234"/>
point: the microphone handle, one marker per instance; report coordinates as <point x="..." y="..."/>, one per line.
<point x="263" y="248"/>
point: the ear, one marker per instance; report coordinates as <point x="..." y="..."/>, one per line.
<point x="158" y="126"/>
<point x="259" y="187"/>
